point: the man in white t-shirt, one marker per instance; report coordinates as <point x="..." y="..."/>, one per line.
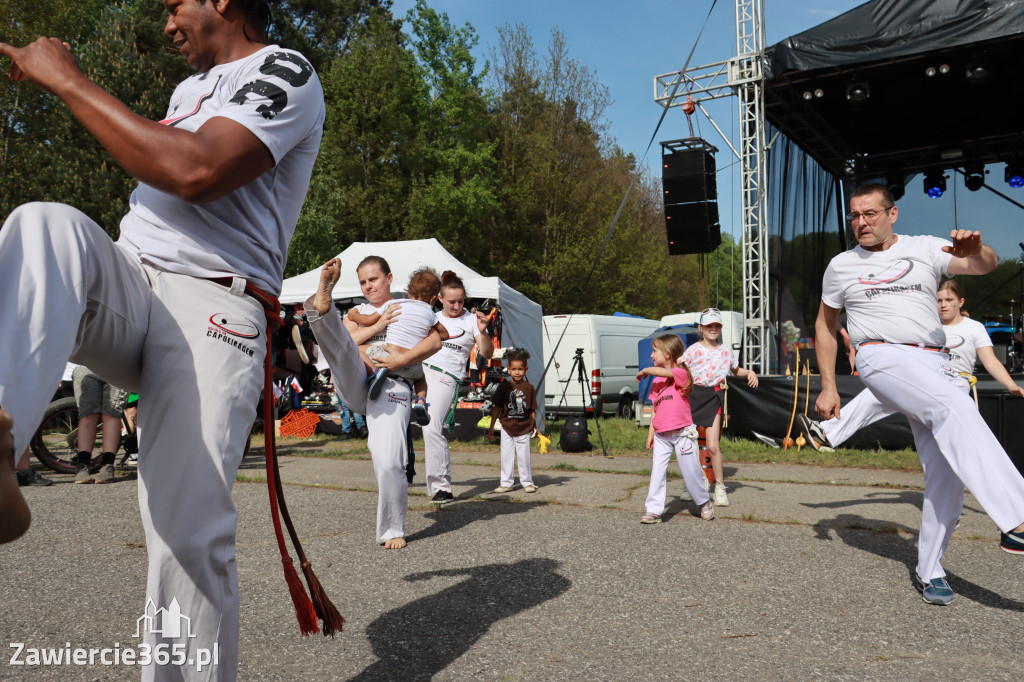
<point x="173" y="309"/>
<point x="887" y="284"/>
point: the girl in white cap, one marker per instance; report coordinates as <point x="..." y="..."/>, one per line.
<point x="711" y="362"/>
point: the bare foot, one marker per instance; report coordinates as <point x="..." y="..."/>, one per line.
<point x="14" y="514"/>
<point x="394" y="543"/>
<point x="329" y="276"/>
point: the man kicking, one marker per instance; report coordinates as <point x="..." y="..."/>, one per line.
<point x="887" y="284"/>
<point x="171" y="310"/>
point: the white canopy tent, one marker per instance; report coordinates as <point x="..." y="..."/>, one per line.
<point x="521" y="315"/>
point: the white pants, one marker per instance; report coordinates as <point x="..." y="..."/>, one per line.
<point x="515" y="451"/>
<point x="954" y="444"/>
<point x="440" y="393"/>
<point x="665" y="444"/>
<point x="194" y="350"/>
<point x="387" y="419"/>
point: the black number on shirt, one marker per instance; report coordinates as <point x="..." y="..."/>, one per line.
<point x="277" y="96"/>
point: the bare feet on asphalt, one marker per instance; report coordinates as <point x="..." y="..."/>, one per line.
<point x="395" y="543"/>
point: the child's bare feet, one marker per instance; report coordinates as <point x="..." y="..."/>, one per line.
<point x="330" y="273"/>
<point x="14" y="514"/>
<point x="394" y="543"/>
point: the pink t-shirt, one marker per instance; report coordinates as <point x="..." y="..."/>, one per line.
<point x="671" y="409"/>
<point x="710" y="366"/>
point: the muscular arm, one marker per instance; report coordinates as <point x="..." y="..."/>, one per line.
<point x="998" y="372"/>
<point x="196" y="167"/>
<point x="825" y="347"/>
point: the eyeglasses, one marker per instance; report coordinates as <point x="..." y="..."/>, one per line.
<point x="870" y="216"/>
<point x="710" y="310"/>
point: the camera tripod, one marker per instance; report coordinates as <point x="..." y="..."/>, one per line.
<point x="581" y="375"/>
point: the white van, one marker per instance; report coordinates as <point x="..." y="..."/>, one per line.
<point x="732" y="328"/>
<point x="609" y="354"/>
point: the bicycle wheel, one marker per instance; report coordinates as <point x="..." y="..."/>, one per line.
<point x="55" y="443"/>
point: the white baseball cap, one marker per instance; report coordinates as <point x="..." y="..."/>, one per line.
<point x="710" y="316"/>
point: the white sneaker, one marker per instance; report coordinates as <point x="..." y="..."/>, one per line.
<point x="685" y="495"/>
<point x="720" y="497"/>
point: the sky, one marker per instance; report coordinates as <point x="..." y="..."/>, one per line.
<point x="628" y="43"/>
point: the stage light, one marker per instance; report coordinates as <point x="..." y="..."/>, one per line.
<point x="934" y="184"/>
<point x="819" y="93"/>
<point x="1014" y="175"/>
<point x="858" y="92"/>
<point x="974" y="176"/>
<point x="896" y="187"/>
<point x="930" y="71"/>
<point x="807" y="94"/>
<point x="944" y="68"/>
<point x="978" y="71"/>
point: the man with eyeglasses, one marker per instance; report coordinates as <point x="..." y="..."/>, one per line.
<point x="887" y="284"/>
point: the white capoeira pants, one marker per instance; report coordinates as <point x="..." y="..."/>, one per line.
<point x="954" y="444"/>
<point x="194" y="351"/>
<point x="387" y="419"/>
<point x="685" y="450"/>
<point x="515" y="451"/>
<point x="440" y="393"/>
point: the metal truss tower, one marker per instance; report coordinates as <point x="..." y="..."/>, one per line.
<point x="743" y="75"/>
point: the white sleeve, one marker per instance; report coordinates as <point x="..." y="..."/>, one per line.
<point x="832" y="293"/>
<point x="979" y="335"/>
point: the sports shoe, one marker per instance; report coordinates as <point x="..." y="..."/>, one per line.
<point x="442" y="497"/>
<point x="1012" y="542"/>
<point x="132" y="461"/>
<point x="707" y="511"/>
<point x="105" y="474"/>
<point x="82" y="474"/>
<point x="529" y="488"/>
<point x="376" y="381"/>
<point x="503" y="488"/>
<point x="30" y="477"/>
<point x="812" y="431"/>
<point x="419" y="411"/>
<point x="721" y="498"/>
<point x="936" y="592"/>
<point x="685" y="495"/>
<point x="650" y="518"/>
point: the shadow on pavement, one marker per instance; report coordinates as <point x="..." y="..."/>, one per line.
<point x="455" y="516"/>
<point x="853" y="530"/>
<point x="420" y="639"/>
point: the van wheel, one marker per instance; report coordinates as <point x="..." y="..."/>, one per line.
<point x="626" y="407"/>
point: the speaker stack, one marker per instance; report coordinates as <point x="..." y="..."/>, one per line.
<point x="690" y="196"/>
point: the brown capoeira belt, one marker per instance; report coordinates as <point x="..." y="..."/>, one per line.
<point x="307" y="610"/>
<point x="922" y="346"/>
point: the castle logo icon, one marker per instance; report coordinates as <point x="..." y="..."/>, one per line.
<point x="167" y="622"/>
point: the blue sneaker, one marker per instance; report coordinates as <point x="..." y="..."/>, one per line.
<point x="1012" y="542"/>
<point x="419" y="412"/>
<point x="376" y="381"/>
<point x="936" y="592"/>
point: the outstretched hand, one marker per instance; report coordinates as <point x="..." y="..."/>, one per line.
<point x="966" y="243"/>
<point x="47" y="62"/>
<point x="827" y="404"/>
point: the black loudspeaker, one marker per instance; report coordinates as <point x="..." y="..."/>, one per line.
<point x="692" y="228"/>
<point x="691" y="201"/>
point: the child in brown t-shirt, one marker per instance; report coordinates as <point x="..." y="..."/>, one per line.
<point x="515" y="405"/>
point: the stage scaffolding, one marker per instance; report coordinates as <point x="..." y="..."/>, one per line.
<point x="743" y="75"/>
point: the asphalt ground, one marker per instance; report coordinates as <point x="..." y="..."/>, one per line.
<point x="806" y="575"/>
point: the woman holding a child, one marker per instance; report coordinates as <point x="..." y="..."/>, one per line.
<point x="445" y="371"/>
<point x="387" y="417"/>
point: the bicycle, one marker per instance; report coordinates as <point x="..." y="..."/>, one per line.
<point x="55" y="442"/>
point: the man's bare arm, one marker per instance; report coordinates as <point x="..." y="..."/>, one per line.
<point x="825" y="348"/>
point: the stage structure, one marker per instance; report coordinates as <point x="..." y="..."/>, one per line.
<point x="743" y="75"/>
<point x="887" y="91"/>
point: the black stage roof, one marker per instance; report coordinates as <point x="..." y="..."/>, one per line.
<point x="874" y="110"/>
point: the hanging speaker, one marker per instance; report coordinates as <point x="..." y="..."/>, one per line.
<point x="691" y="201"/>
<point x="692" y="228"/>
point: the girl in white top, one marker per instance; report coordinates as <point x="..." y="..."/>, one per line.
<point x="445" y="371"/>
<point x="711" y="362"/>
<point x="967" y="340"/>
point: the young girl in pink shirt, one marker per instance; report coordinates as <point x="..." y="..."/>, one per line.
<point x="672" y="429"/>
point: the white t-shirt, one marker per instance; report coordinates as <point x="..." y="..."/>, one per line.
<point x="413" y="325"/>
<point x="276" y="95"/>
<point x="369" y="309"/>
<point x="709" y="366"/>
<point x="964" y="340"/>
<point x="890" y="295"/>
<point x="454" y="354"/>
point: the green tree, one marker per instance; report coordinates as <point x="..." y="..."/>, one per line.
<point x="320" y="29"/>
<point x="454" y="198"/>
